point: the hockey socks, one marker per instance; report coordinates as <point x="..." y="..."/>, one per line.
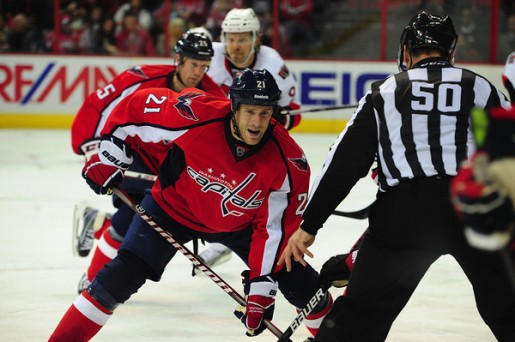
<point x="82" y="321"/>
<point x="106" y="250"/>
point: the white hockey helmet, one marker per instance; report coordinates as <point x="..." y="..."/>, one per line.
<point x="241" y="20"/>
<point x="508" y="76"/>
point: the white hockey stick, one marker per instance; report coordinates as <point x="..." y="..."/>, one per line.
<point x="197" y="262"/>
<point x="320" y="109"/>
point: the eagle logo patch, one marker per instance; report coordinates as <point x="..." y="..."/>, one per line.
<point x="300" y="163"/>
<point x="183" y="105"/>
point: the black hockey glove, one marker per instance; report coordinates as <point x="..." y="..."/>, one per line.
<point x="260" y="295"/>
<point x="334" y="272"/>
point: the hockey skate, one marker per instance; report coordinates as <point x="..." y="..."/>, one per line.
<point x="83" y="283"/>
<point x="214" y="255"/>
<point x="90" y="220"/>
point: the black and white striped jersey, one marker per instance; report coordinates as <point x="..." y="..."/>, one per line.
<point x="417" y="125"/>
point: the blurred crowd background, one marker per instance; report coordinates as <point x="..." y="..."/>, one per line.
<point x="313" y="29"/>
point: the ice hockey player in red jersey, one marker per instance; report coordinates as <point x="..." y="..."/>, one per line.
<point x="193" y="57"/>
<point x="238" y="178"/>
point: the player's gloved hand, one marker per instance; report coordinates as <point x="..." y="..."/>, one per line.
<point x="335" y="272"/>
<point x="484" y="207"/>
<point x="260" y="293"/>
<point x="105" y="170"/>
<point x="90" y="148"/>
<point x="288" y="121"/>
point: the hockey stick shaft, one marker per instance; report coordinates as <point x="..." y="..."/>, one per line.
<point x="319" y="109"/>
<point x="297" y="321"/>
<point x="358" y="214"/>
<point x="140" y="175"/>
<point x="197" y="262"/>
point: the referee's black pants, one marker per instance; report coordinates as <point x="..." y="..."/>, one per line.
<point x="410" y="227"/>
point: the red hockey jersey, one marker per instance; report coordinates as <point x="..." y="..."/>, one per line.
<point x="216" y="191"/>
<point x="98" y="106"/>
<point x="204" y="182"/>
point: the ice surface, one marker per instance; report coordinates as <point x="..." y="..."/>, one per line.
<point x="40" y="182"/>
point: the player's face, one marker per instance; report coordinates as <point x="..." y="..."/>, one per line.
<point x="252" y="122"/>
<point x="192" y="71"/>
<point x="238" y="46"/>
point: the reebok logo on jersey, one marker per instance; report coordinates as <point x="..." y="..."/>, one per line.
<point x="183" y="105"/>
<point x="300" y="163"/>
<point x="229" y="195"/>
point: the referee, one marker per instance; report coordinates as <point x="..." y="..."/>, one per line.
<point x="417" y="123"/>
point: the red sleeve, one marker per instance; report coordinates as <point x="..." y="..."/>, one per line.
<point x="280" y="215"/>
<point x="98" y="106"/>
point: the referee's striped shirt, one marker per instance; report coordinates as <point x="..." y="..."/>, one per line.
<point x="417" y="124"/>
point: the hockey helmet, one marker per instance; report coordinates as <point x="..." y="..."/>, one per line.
<point x="240" y="20"/>
<point x="254" y="87"/>
<point x="431" y="31"/>
<point x="195" y="45"/>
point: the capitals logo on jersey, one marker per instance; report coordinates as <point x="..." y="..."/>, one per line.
<point x="183" y="105"/>
<point x="229" y="191"/>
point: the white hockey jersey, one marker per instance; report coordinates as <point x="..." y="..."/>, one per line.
<point x="267" y="58"/>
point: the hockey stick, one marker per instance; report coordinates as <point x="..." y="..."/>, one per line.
<point x="358" y="214"/>
<point x="197" y="262"/>
<point x="140" y="175"/>
<point x="320" y="109"/>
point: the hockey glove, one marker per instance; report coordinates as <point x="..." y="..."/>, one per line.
<point x="484" y="207"/>
<point x="90" y="148"/>
<point x="260" y="294"/>
<point x="105" y="170"/>
<point x="335" y="271"/>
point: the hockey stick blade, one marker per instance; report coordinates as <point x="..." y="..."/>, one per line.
<point x="197" y="262"/>
<point x="319" y="109"/>
<point x="358" y="214"/>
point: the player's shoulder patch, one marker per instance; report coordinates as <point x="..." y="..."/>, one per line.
<point x="300" y="163"/>
<point x="284" y="72"/>
<point x="138" y="71"/>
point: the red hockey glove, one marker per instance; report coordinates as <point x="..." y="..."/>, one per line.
<point x="260" y="293"/>
<point x="288" y="121"/>
<point x="90" y="148"/>
<point x="483" y="206"/>
<point x="336" y="271"/>
<point x="105" y="170"/>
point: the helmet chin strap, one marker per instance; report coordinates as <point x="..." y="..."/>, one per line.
<point x="235" y="129"/>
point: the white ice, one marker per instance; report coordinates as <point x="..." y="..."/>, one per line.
<point x="40" y="182"/>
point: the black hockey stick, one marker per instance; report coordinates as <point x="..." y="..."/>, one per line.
<point x="197" y="262"/>
<point x="358" y="214"/>
<point x="319" y="109"/>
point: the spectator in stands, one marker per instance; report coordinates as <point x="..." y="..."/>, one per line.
<point x="469" y="44"/>
<point x="507" y="40"/>
<point x="4" y="46"/>
<point x="22" y="36"/>
<point x="136" y="8"/>
<point x="93" y="28"/>
<point x="193" y="11"/>
<point x="217" y="12"/>
<point x="296" y="17"/>
<point x="106" y="39"/>
<point x="134" y="40"/>
<point x="176" y="28"/>
<point x="66" y="41"/>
